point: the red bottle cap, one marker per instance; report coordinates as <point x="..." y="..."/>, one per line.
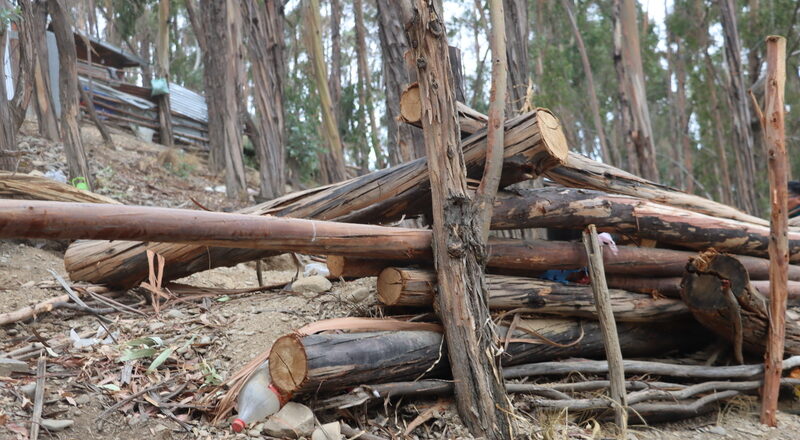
<point x="238" y="425"/>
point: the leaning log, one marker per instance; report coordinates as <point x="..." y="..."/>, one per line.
<point x="26" y="186"/>
<point x="62" y="220"/>
<point x="531" y="257"/>
<point x="415" y="288"/>
<point x="531" y="148"/>
<point x="322" y="362"/>
<point x="582" y="172"/>
<point x="717" y="290"/>
<point x="566" y="208"/>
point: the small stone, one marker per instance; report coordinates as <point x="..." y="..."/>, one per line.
<point x="29" y="390"/>
<point x="155" y="326"/>
<point x="204" y="340"/>
<point x="356" y="296"/>
<point x="8" y="366"/>
<point x="328" y="431"/>
<point x="311" y="285"/>
<point x="12" y="332"/>
<point x="56" y="425"/>
<point x="83" y="399"/>
<point x="719" y="430"/>
<point x="254" y="433"/>
<point x="294" y="420"/>
<point x="175" y="314"/>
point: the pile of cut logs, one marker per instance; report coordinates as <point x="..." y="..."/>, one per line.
<point x="687" y="270"/>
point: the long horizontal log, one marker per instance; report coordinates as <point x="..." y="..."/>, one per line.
<point x="415" y="287"/>
<point x="536" y="256"/>
<point x="62" y="220"/>
<point x="671" y="287"/>
<point x="717" y="290"/>
<point x="580" y="171"/>
<point x="574" y="209"/>
<point x="307" y="364"/>
<point x="534" y="142"/>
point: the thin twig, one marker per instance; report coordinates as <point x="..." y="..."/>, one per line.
<point x="38" y="403"/>
<point x="101" y="418"/>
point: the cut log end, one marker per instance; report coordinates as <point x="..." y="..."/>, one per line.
<point x="288" y="366"/>
<point x="411" y="104"/>
<point x="552" y="135"/>
<point x="390" y="286"/>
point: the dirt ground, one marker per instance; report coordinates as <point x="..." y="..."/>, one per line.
<point x="213" y="337"/>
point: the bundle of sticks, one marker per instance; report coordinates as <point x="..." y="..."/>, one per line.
<point x="687" y="269"/>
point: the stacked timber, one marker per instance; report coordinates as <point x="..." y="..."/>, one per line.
<point x="686" y="269"/>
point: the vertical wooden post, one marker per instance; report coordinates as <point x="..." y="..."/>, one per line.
<point x="775" y="141"/>
<point x="461" y="301"/>
<point x="616" y="372"/>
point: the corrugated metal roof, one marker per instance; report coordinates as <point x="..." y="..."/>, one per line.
<point x="187" y="103"/>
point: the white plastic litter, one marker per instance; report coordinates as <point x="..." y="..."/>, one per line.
<point x="316" y="269"/>
<point x="56" y="175"/>
<point x="79" y="342"/>
<point x="606" y="238"/>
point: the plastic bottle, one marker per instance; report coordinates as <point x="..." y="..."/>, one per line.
<point x="258" y="399"/>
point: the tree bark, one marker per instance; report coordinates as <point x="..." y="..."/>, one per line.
<point x="416" y="288"/>
<point x="307" y="364"/>
<point x="221" y="77"/>
<point x="458" y="252"/>
<point x="264" y="29"/>
<point x="334" y="159"/>
<point x="610" y="156"/>
<point x="517" y="32"/>
<point x="365" y="85"/>
<point x="530" y="257"/>
<point x="8" y="138"/>
<point x="683" y="118"/>
<point x="743" y="138"/>
<point x="581" y="172"/>
<point x="726" y="186"/>
<point x="713" y="278"/>
<point x="335" y="78"/>
<point x="403" y="141"/>
<point x="162" y="69"/>
<point x="636" y="127"/>
<point x="778" y="163"/>
<point x="534" y="143"/>
<point x="68" y="84"/>
<point x="63" y="220"/>
<point x="573" y="209"/>
<point x="45" y="107"/>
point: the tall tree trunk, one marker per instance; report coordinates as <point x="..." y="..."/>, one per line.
<point x="742" y="134"/>
<point x="637" y="131"/>
<point x="265" y="46"/>
<point x="459" y="256"/>
<point x="478" y="28"/>
<point x="8" y="140"/>
<point x="365" y="86"/>
<point x="45" y="107"/>
<point x="221" y="74"/>
<point x="335" y="79"/>
<point x="683" y="118"/>
<point x="403" y="140"/>
<point x="334" y="159"/>
<point x="162" y="69"/>
<point x="68" y="83"/>
<point x="609" y="155"/>
<point x="517" y="30"/>
<point x="719" y="133"/>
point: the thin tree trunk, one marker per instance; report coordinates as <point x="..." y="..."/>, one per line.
<point x="221" y="77"/>
<point x="517" y="30"/>
<point x="478" y="27"/>
<point x="609" y="155"/>
<point x="743" y="138"/>
<point x="265" y="46"/>
<point x="335" y="166"/>
<point x="335" y="79"/>
<point x="8" y="138"/>
<point x="775" y="140"/>
<point x="365" y="85"/>
<point x="162" y="68"/>
<point x="462" y="301"/>
<point x="719" y="132"/>
<point x="45" y="107"/>
<point x="683" y="119"/>
<point x="403" y="140"/>
<point x="636" y="126"/>
<point x="68" y="83"/>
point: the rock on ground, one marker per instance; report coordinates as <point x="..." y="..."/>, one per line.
<point x="294" y="420"/>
